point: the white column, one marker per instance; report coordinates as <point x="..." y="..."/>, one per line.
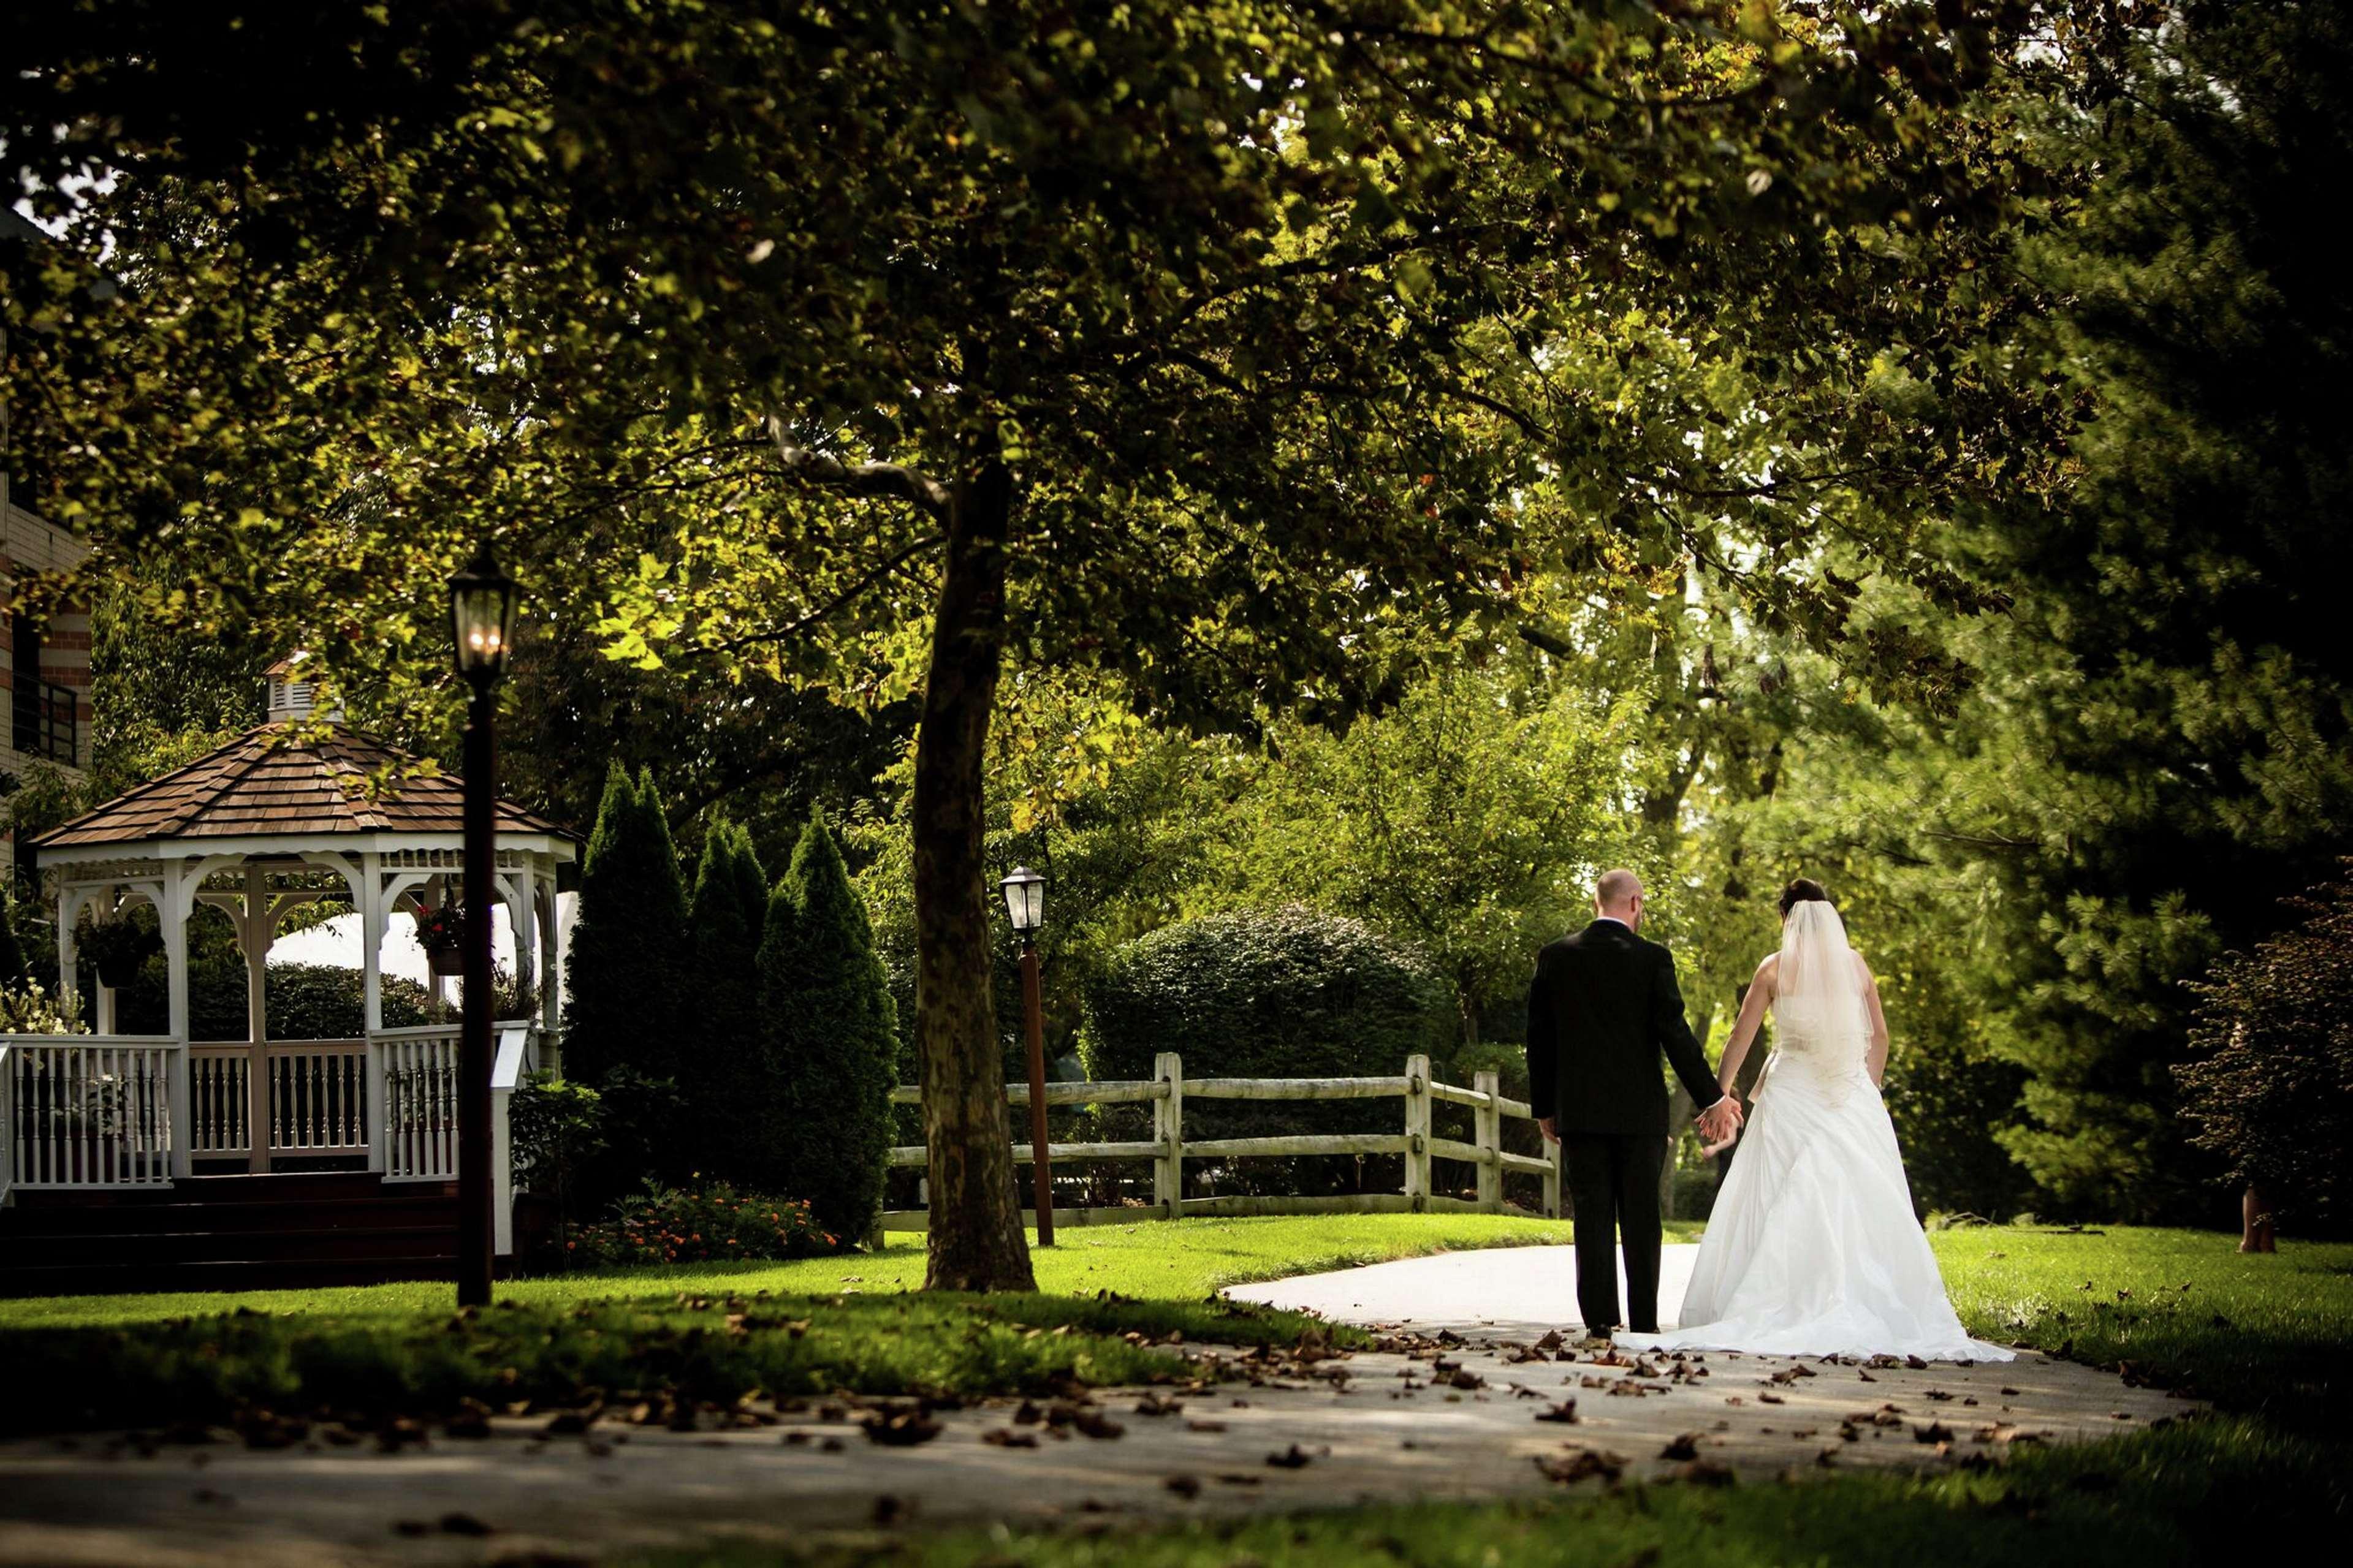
<point x="551" y="989"/>
<point x="104" y="1021"/>
<point x="368" y="900"/>
<point x="178" y="894"/>
<point x="253" y="931"/>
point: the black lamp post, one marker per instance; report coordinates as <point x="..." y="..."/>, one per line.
<point x="482" y="620"/>
<point x="1025" y="903"/>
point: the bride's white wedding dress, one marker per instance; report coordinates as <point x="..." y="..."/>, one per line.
<point x="1812" y="1248"/>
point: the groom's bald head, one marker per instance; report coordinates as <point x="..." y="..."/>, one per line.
<point x="1618" y="895"/>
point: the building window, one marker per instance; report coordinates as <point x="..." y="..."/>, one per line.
<point x="45" y="713"/>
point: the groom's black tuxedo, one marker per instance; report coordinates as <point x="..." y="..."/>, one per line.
<point x="1603" y="1005"/>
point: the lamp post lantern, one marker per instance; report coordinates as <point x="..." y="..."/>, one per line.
<point x="481" y="622"/>
<point x="1025" y="904"/>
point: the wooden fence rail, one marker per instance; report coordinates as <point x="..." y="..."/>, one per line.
<point x="1167" y="1149"/>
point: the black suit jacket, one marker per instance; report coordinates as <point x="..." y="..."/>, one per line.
<point x="1603" y="1005"/>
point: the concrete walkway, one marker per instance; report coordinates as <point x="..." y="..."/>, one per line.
<point x="1474" y="1410"/>
<point x="1503" y="1290"/>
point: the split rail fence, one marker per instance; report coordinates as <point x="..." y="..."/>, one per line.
<point x="1167" y="1092"/>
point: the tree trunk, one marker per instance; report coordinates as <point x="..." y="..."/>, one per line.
<point x="2255" y="1211"/>
<point x="975" y="1225"/>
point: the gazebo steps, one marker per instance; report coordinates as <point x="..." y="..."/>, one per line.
<point x="243" y="1232"/>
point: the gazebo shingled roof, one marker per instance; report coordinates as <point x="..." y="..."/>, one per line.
<point x="270" y="781"/>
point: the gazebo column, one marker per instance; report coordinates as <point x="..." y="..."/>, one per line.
<point x="551" y="968"/>
<point x="369" y="899"/>
<point x="254" y="930"/>
<point x="176" y="897"/>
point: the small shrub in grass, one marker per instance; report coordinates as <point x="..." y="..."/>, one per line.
<point x="670" y="1224"/>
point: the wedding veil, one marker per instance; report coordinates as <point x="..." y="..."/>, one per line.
<point x="1818" y="995"/>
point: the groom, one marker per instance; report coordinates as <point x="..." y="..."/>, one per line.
<point x="1602" y="1007"/>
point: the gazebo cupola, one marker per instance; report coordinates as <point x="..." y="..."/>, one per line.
<point x="293" y="693"/>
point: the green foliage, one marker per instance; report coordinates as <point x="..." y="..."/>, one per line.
<point x="725" y="1074"/>
<point x="11" y="952"/>
<point x="305" y="1001"/>
<point x="1468" y="820"/>
<point x="2272" y="1057"/>
<point x="642" y="1124"/>
<point x="831" y="1039"/>
<point x="328" y="1002"/>
<point x="26" y="1008"/>
<point x="555" y="1132"/>
<point x="624" y="970"/>
<point x="1288" y="992"/>
<point x="712" y="1224"/>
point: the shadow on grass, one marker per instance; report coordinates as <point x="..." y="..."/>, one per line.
<point x="364" y="1367"/>
<point x="2196" y="1492"/>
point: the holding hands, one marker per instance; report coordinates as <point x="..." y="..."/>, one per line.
<point x="1719" y="1124"/>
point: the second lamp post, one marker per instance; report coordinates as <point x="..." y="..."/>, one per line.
<point x="1025" y="903"/>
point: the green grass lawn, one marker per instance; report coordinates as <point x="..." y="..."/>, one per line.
<point x="1180" y="1261"/>
<point x="2269" y="1334"/>
<point x="1110" y="1297"/>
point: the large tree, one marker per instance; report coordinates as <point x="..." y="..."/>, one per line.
<point x="1230" y="349"/>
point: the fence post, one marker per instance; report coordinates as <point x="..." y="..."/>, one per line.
<point x="1168" y="1132"/>
<point x="1552" y="1179"/>
<point x="1416" y="1133"/>
<point x="1489" y="1119"/>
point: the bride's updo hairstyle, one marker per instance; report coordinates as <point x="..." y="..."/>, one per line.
<point x="1803" y="891"/>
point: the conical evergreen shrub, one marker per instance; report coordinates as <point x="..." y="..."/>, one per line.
<point x="725" y="1076"/>
<point x="624" y="972"/>
<point x="831" y="1031"/>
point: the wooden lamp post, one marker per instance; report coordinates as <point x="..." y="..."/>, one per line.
<point x="481" y="622"/>
<point x="1025" y="903"/>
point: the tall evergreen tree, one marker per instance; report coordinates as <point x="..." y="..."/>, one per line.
<point x="831" y="1034"/>
<point x="724" y="1076"/>
<point x="623" y="969"/>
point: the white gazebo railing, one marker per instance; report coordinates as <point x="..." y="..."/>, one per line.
<point x="418" y="1070"/>
<point x="97" y="1110"/>
<point x="310" y="1096"/>
<point x="90" y="1111"/>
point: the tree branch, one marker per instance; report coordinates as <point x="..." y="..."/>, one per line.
<point x="867" y="579"/>
<point x="892" y="481"/>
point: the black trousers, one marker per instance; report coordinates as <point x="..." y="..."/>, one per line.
<point x="1613" y="1190"/>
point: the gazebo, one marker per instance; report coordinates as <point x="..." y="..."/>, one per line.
<point x="297" y="811"/>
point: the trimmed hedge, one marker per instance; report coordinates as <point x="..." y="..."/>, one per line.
<point x="1287" y="993"/>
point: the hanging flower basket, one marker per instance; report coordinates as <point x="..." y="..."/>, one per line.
<point x="117" y="949"/>
<point x="442" y="933"/>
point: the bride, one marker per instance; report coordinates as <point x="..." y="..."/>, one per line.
<point x="1812" y="1248"/>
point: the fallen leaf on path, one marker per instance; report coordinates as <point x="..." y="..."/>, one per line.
<point x="1684" y="1447"/>
<point x="1577" y="1464"/>
<point x="1565" y="1412"/>
<point x="1291" y="1458"/>
<point x="902" y="1427"/>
